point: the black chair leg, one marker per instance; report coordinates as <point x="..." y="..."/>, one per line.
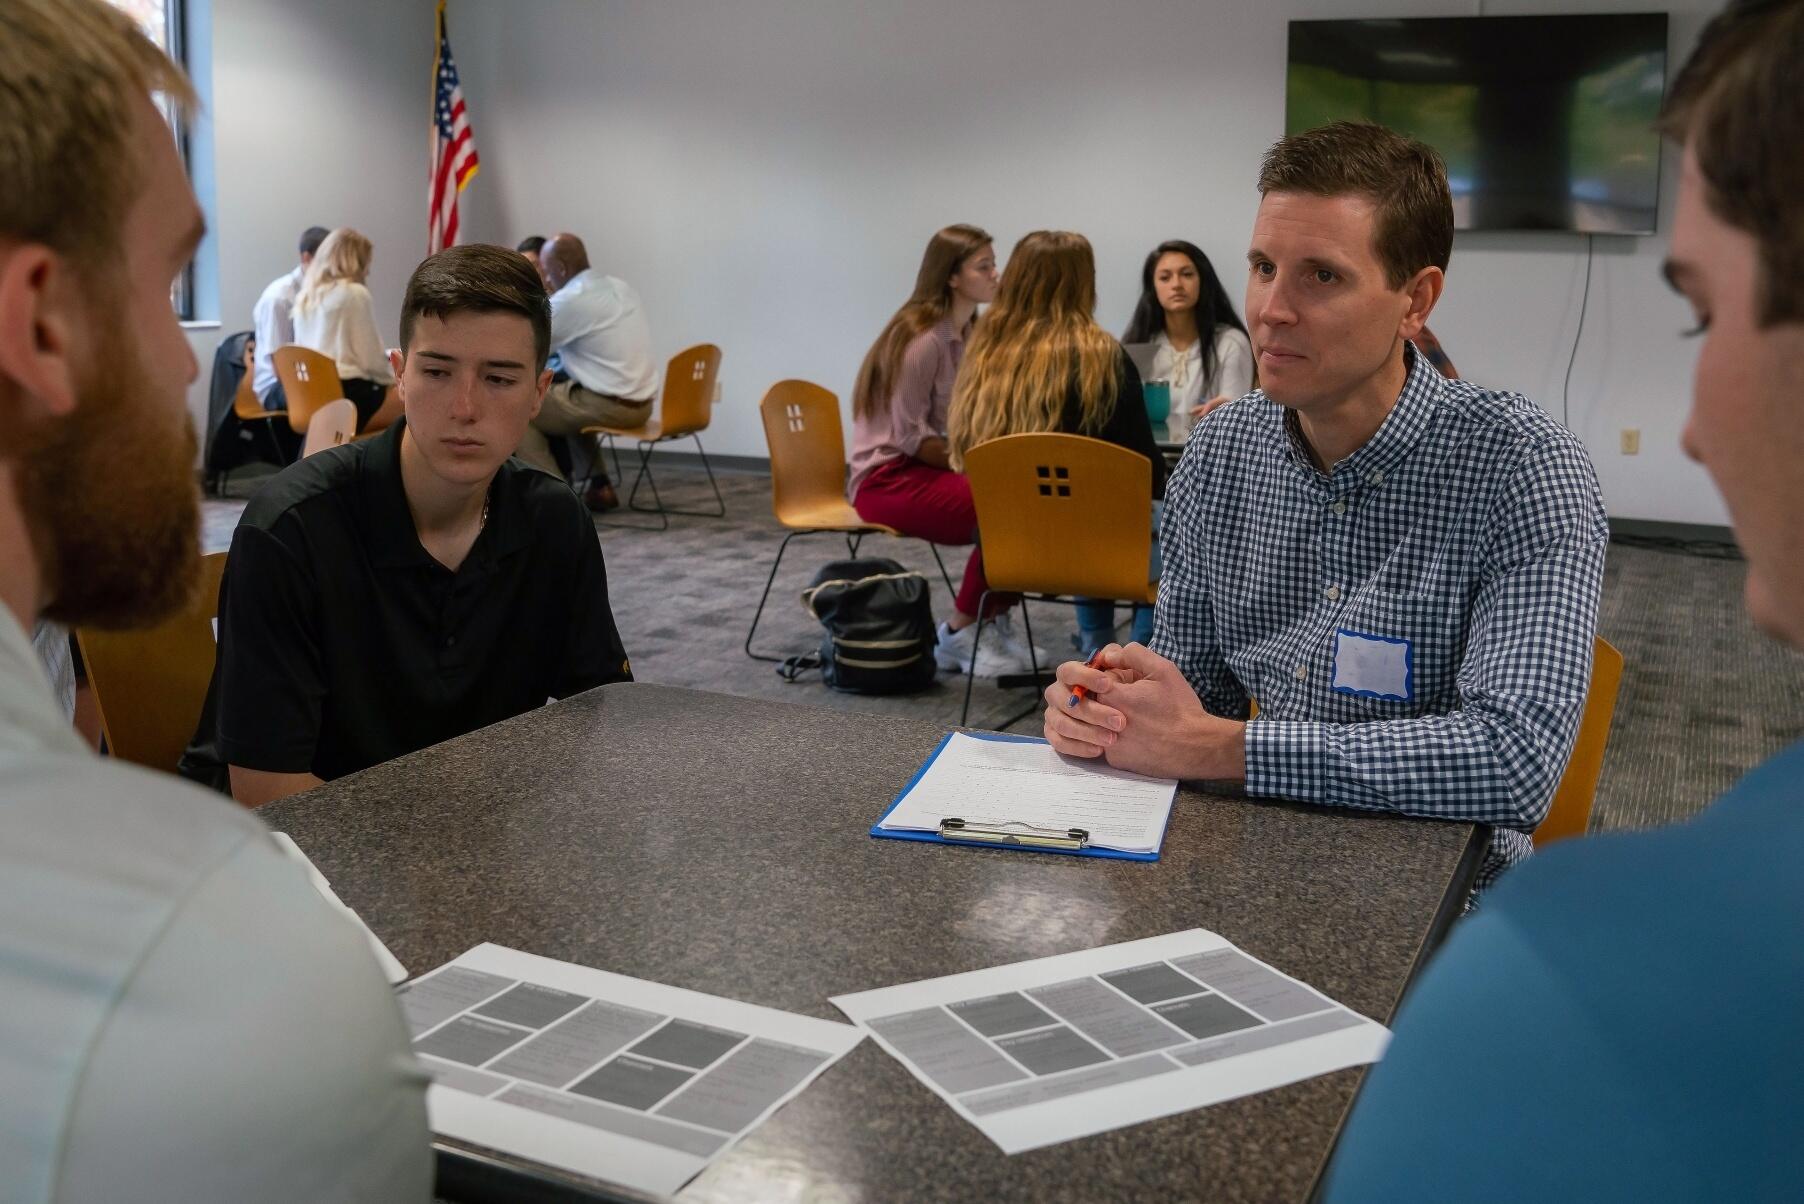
<point x="719" y="501"/>
<point x="1027" y="629"/>
<point x="645" y="450"/>
<point x="1033" y="660"/>
<point x="764" y="597"/>
<point x="983" y="604"/>
<point x="275" y="445"/>
<point x="951" y="590"/>
<point x="644" y="476"/>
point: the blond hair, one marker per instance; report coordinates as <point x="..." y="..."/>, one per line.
<point x="1041" y="331"/>
<point x="946" y="254"/>
<point x="71" y="74"/>
<point x="344" y="256"/>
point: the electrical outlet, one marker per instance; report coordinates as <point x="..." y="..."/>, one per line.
<point x="1631" y="441"/>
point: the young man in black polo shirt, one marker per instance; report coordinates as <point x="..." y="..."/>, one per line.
<point x="390" y="594"/>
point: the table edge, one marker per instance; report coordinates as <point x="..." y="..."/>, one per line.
<point x="1459" y="886"/>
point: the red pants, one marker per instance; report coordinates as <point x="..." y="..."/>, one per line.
<point x="934" y="504"/>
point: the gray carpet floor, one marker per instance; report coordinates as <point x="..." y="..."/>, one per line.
<point x="1704" y="697"/>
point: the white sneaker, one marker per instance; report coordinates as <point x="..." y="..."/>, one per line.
<point x="1002" y="628"/>
<point x="952" y="653"/>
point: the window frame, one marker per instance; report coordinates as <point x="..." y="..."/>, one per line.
<point x="175" y="28"/>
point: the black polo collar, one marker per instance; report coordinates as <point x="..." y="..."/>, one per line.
<point x="394" y="541"/>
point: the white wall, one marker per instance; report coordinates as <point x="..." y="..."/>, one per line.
<point x="766" y="174"/>
<point x="319" y="118"/>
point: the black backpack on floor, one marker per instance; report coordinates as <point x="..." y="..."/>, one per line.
<point x="879" y="622"/>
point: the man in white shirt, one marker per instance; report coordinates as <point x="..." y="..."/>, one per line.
<point x="606" y="375"/>
<point x="273" y="318"/>
<point x="182" y="1016"/>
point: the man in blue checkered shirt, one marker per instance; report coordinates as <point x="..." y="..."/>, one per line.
<point x="1402" y="570"/>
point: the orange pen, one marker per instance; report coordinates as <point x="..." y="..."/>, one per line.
<point x="1078" y="692"/>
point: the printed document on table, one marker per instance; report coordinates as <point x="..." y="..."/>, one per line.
<point x="392" y="968"/>
<point x="616" y="1078"/>
<point x="995" y="783"/>
<point x="1065" y="1047"/>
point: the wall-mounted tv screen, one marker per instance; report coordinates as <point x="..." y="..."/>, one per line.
<point x="1546" y="123"/>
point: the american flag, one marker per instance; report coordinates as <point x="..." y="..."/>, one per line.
<point x="453" y="147"/>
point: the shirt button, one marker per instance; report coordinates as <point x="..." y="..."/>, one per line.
<point x="1377" y="477"/>
<point x="1302" y="672"/>
<point x="1340" y="507"/>
<point x="1332" y="593"/>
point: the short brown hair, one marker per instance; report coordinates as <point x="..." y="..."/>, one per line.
<point x="1739" y="103"/>
<point x="482" y="279"/>
<point x="1404" y="178"/>
<point x="71" y="74"/>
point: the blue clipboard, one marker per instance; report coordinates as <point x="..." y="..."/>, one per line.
<point x="883" y="833"/>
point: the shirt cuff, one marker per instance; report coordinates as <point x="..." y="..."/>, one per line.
<point x="1286" y="759"/>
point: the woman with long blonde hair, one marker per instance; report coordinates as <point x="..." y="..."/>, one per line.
<point x="334" y="315"/>
<point x="1039" y="362"/>
<point x="900" y="475"/>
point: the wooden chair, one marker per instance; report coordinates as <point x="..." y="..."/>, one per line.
<point x="685" y="409"/>
<point x="333" y="424"/>
<point x="309" y="380"/>
<point x="808" y="478"/>
<point x="150" y="685"/>
<point x="1060" y="517"/>
<point x="247" y="407"/>
<point x="1570" y="814"/>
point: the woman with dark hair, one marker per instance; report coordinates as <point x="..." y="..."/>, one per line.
<point x="901" y="476"/>
<point x="1200" y="343"/>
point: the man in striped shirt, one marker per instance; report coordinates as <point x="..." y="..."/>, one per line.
<point x="1402" y="570"/>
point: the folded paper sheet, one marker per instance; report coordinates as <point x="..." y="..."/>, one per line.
<point x="1064" y="1047"/>
<point x="615" y="1078"/>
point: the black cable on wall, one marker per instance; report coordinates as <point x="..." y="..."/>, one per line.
<point x="1584" y="301"/>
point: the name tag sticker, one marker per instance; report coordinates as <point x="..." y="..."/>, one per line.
<point x="1374" y="666"/>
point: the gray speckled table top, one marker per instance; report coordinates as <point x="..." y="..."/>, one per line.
<point x="721" y="844"/>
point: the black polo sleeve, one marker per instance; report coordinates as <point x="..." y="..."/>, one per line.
<point x="270" y="675"/>
<point x="593" y="655"/>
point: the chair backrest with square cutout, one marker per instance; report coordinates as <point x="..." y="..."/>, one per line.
<point x="807" y="447"/>
<point x="1063" y="514"/>
<point x="689" y="390"/>
<point x="309" y="381"/>
<point x="335" y="423"/>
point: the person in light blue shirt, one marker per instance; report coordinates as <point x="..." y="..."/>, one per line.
<point x="182" y="1016"/>
<point x="1624" y="1019"/>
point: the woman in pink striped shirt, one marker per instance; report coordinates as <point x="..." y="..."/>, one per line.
<point x="900" y="473"/>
